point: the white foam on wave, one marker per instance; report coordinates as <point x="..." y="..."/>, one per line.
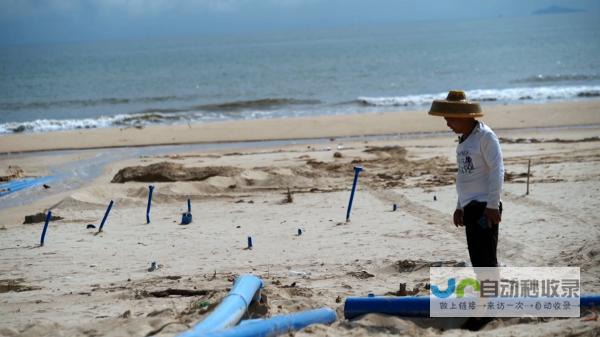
<point x="45" y="125"/>
<point x="525" y="94"/>
<point x="536" y="94"/>
<point x="122" y="120"/>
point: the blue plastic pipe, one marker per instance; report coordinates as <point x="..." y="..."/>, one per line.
<point x="150" y="189"/>
<point x="398" y="306"/>
<point x="48" y="217"/>
<point x="589" y="301"/>
<point x="357" y="170"/>
<point x="417" y="306"/>
<point x="17" y="185"/>
<point x="20" y="184"/>
<point x="229" y="312"/>
<point x="278" y="325"/>
<point x="105" y="215"/>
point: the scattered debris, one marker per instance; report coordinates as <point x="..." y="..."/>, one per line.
<point x="169" y="172"/>
<point x="163" y="312"/>
<point x="38" y="218"/>
<point x="201" y="304"/>
<point x="402" y="289"/>
<point x="178" y="292"/>
<point x="591" y="317"/>
<point x="260" y="308"/>
<point x="173" y="277"/>
<point x="154" y="266"/>
<point x="361" y="274"/>
<point x="404" y="266"/>
<point x="289" y="198"/>
<point x="213" y="277"/>
<point x="403" y="292"/>
<point x="511" y="176"/>
<point x="13" y="172"/>
<point x="555" y="140"/>
<point x="15" y="285"/>
<point x="290" y="286"/>
<point x="302" y="274"/>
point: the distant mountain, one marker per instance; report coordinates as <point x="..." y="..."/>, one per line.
<point x="556" y="10"/>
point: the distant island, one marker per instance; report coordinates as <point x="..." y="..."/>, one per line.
<point x="556" y="10"/>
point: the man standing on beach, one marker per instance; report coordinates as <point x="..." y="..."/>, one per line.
<point x="479" y="178"/>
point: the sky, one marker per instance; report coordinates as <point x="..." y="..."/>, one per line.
<point x="59" y="21"/>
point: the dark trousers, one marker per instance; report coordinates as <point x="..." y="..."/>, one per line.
<point x="482" y="237"/>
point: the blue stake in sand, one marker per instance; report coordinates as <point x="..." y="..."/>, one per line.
<point x="48" y="217"/>
<point x="357" y="170"/>
<point x="150" y="188"/>
<point x="249" y="242"/>
<point x="105" y="216"/>
<point x="299" y="231"/>
<point x="186" y="218"/>
<point x="394" y="207"/>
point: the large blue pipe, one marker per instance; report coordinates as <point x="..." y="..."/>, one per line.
<point x="417" y="306"/>
<point x="229" y="312"/>
<point x="398" y="306"/>
<point x="278" y="325"/>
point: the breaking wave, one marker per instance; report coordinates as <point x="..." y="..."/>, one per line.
<point x="534" y="94"/>
<point x="289" y="107"/>
<point x="541" y="78"/>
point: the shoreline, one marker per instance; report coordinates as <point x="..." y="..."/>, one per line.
<point x="372" y="124"/>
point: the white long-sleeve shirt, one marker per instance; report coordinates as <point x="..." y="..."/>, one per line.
<point x="480" y="168"/>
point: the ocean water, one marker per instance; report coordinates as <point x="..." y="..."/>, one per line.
<point x="530" y="59"/>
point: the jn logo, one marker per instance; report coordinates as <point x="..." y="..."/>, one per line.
<point x="460" y="290"/>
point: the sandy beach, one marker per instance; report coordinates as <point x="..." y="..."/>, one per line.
<point x="85" y="284"/>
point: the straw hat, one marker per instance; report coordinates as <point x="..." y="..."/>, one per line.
<point x="456" y="106"/>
